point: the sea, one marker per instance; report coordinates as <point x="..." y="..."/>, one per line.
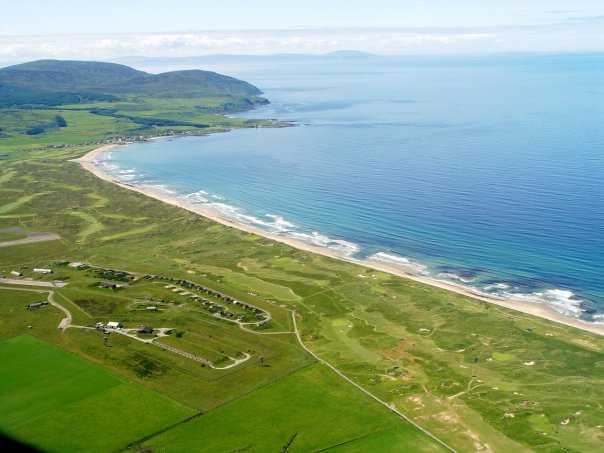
<point x="486" y="172"/>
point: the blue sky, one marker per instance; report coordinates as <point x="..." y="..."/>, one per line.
<point x="95" y="29"/>
<point x="119" y="16"/>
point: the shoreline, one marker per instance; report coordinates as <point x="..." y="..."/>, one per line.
<point x="89" y="163"/>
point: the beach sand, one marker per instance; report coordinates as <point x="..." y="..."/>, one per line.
<point x="90" y="163"/>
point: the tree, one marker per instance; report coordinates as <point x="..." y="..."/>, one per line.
<point x="60" y="121"/>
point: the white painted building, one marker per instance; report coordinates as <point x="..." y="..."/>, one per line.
<point x="42" y="271"/>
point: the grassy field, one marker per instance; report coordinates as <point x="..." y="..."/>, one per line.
<point x="286" y="413"/>
<point x="56" y="401"/>
<point x="127" y="118"/>
<point x="477" y="376"/>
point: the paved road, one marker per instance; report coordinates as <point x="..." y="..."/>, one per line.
<point x="366" y="392"/>
<point x="66" y="321"/>
<point x="31" y="238"/>
<point x="28" y="282"/>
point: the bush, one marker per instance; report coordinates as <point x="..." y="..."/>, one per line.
<point x="60" y="121"/>
<point x="35" y="130"/>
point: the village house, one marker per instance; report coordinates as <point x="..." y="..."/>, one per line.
<point x="36" y="305"/>
<point x="38" y="270"/>
<point x="16" y="274"/>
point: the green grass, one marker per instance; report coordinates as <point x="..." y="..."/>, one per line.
<point x="56" y="401"/>
<point x="313" y="404"/>
<point x="14" y="205"/>
<point x="133" y="232"/>
<point x="11" y="236"/>
<point x="92" y="225"/>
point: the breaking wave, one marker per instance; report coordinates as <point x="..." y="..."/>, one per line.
<point x="399" y="261"/>
<point x="271" y="223"/>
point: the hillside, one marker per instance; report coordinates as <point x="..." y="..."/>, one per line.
<point x="53" y="82"/>
<point x="205" y="83"/>
<point x="55" y="75"/>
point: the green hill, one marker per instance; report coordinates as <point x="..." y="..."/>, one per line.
<point x="53" y="82"/>
<point x="56" y="75"/>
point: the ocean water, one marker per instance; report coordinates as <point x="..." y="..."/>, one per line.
<point x="482" y="171"/>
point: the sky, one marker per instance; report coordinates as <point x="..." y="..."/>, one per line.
<point x="118" y="28"/>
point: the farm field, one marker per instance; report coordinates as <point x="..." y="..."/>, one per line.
<point x="285" y="414"/>
<point x="56" y="401"/>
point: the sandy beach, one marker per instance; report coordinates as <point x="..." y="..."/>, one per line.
<point x="90" y="162"/>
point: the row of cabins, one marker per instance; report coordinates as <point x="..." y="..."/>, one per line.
<point x="111" y="274"/>
<point x="101" y="272"/>
<point x="258" y="313"/>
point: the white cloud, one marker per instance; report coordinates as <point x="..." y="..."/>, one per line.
<point x="557" y="37"/>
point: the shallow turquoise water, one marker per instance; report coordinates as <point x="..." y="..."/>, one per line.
<point x="486" y="171"/>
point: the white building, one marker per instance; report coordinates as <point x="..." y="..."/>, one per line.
<point x="42" y="271"/>
<point x="114" y="325"/>
<point x="16" y="274"/>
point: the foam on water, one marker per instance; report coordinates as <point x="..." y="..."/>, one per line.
<point x="400" y="261"/>
<point x="562" y="300"/>
<point x="317" y="239"/>
<point x="455" y="277"/>
<point x="272" y="223"/>
<point x="496" y="287"/>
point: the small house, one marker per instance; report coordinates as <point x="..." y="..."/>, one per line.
<point x="145" y="329"/>
<point x="114" y="325"/>
<point x="151" y="308"/>
<point x="38" y="270"/>
<point x="16" y="274"/>
<point x="36" y="305"/>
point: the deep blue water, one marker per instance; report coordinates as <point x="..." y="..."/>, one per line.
<point x="485" y="170"/>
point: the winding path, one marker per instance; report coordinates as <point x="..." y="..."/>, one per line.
<point x="66" y="321"/>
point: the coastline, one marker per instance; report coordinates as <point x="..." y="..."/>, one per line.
<point x="89" y="163"/>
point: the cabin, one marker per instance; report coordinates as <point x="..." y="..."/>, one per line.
<point x="39" y="270"/>
<point x="110" y="285"/>
<point x="151" y="308"/>
<point x="77" y="265"/>
<point x="145" y="329"/>
<point x="36" y="305"/>
<point x="114" y="325"/>
<point x="16" y="274"/>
